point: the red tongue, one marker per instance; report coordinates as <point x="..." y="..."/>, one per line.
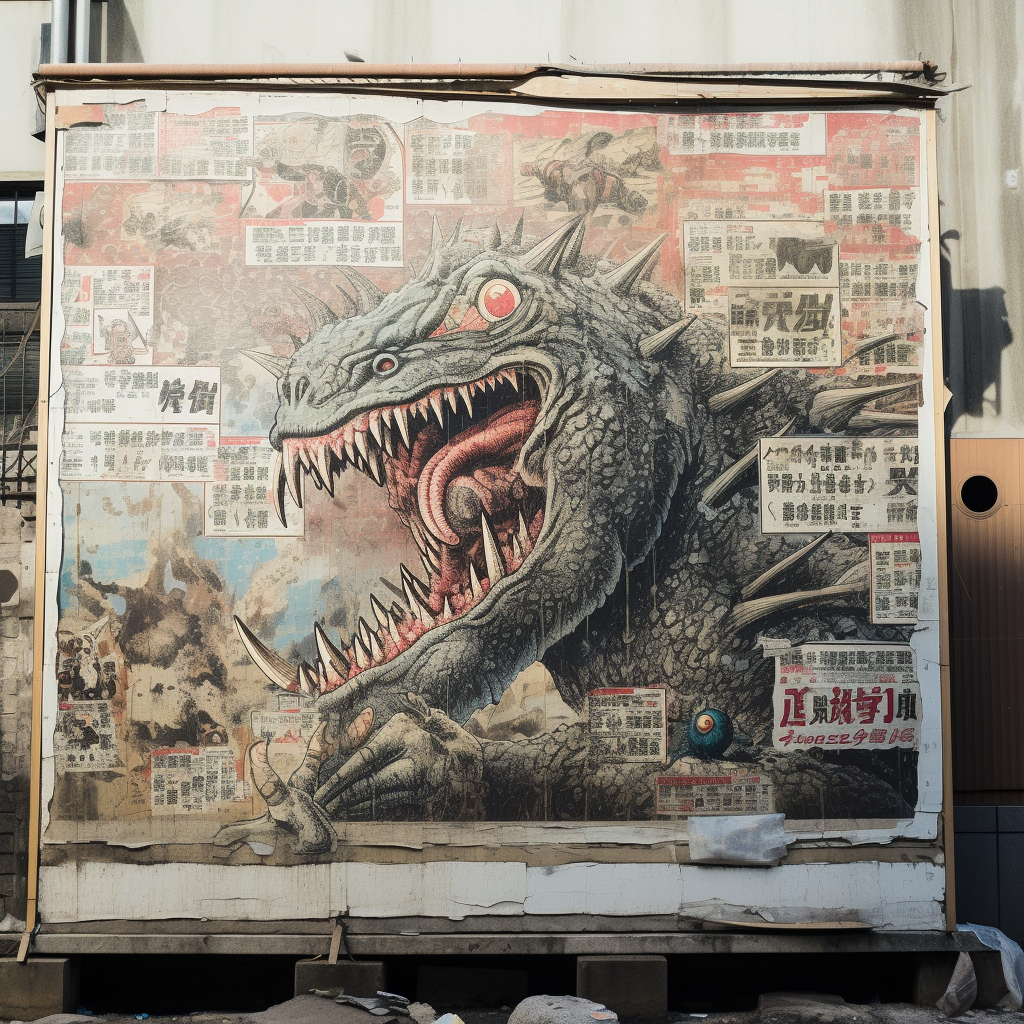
<point x="504" y="432"/>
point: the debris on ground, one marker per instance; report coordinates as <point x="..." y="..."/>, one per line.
<point x="422" y="1013"/>
<point x="560" y="1010"/>
<point x="962" y="989"/>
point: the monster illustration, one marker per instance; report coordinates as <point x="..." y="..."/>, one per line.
<point x="575" y="459"/>
<point x="588" y="172"/>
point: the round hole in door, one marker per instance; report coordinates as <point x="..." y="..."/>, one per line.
<point x="979" y="494"/>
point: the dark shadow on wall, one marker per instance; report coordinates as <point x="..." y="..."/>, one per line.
<point x="975" y="330"/>
<point x="122" y="42"/>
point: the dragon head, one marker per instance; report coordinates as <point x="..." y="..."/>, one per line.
<point x="513" y="406"/>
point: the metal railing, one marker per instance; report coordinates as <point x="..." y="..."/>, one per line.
<point x="19" y="390"/>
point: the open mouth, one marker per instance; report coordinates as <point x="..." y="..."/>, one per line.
<point x="448" y="461"/>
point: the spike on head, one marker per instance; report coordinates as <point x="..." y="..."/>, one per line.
<point x="320" y="314"/>
<point x="271" y="363"/>
<point x="652" y="345"/>
<point x="554" y="252"/>
<point x="624" y="279"/>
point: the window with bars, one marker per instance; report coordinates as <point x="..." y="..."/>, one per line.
<point x="20" y="278"/>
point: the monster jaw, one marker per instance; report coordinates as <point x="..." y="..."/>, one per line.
<point x="450" y="463"/>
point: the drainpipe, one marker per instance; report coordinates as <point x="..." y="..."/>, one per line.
<point x="83" y="10"/>
<point x="59" y="30"/>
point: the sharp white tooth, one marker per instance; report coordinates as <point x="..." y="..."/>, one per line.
<point x="474" y="581"/>
<point x="277" y="489"/>
<point x="376" y="469"/>
<point x="449" y="394"/>
<point x="433" y="561"/>
<point x="323" y="465"/>
<point x="435" y="404"/>
<point x="350" y="449"/>
<point x="380" y="613"/>
<point x="490" y="382"/>
<point x="375" y="428"/>
<point x="361" y="443"/>
<point x="362" y="652"/>
<point x="306" y="679"/>
<point x="402" y="419"/>
<point x="467" y="400"/>
<point x="446" y="611"/>
<point x="513" y="377"/>
<point x="493" y="557"/>
<point x="517" y="551"/>
<point x="294" y="479"/>
<point x="373" y="642"/>
<point x="418" y="586"/>
<point x="524" y="534"/>
<point x="272" y="665"/>
<point x="426" y="565"/>
<point x="421" y="408"/>
<point x="423" y="613"/>
<point x="388" y="446"/>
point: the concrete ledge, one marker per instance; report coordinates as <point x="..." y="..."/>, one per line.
<point x="497" y="943"/>
<point x="38" y="987"/>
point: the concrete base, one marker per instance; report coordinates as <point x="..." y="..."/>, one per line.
<point x="934" y="970"/>
<point x="353" y="977"/>
<point x="635" y="987"/>
<point x="470" y="988"/>
<point x="38" y="987"/>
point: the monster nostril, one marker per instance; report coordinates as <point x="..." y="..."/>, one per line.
<point x="301" y="387"/>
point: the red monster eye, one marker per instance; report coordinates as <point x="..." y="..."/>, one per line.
<point x="497" y="300"/>
<point x="384" y="364"/>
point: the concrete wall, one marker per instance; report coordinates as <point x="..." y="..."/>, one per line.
<point x="978" y="45"/>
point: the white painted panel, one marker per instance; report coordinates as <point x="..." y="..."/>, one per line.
<point x="148" y="892"/>
<point x="438" y="889"/>
<point x="339" y="888"/>
<point x="603" y="889"/>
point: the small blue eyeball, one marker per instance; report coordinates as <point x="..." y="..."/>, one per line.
<point x="710" y="732"/>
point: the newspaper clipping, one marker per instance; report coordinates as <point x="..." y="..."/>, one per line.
<point x="760" y="134"/>
<point x="723" y="254"/>
<point x="784" y="327"/>
<point x="895" y="576"/>
<point x="628" y="723"/>
<point x="138" y="451"/>
<point x="741" y="791"/>
<point x="85" y="740"/>
<point x="847" y="695"/>
<point x="169" y="395"/>
<point x="851" y="485"/>
<point x="239" y="502"/>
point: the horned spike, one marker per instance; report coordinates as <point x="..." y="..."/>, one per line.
<point x="873" y="419"/>
<point x="436" y="235"/>
<point x="652" y="345"/>
<point x="862" y="348"/>
<point x="781" y="568"/>
<point x="572" y="251"/>
<point x="320" y="314"/>
<point x="272" y="665"/>
<point x="547" y="255"/>
<point x="495" y="240"/>
<point x="351" y="306"/>
<point x="725" y="482"/>
<point x="271" y="363"/>
<point x="748" y="612"/>
<point x="832" y="409"/>
<point x="725" y="400"/>
<point x="370" y="296"/>
<point x="517" y="231"/>
<point x="453" y="238"/>
<point x="624" y="278"/>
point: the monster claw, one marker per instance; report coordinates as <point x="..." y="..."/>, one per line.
<point x="278" y="489"/>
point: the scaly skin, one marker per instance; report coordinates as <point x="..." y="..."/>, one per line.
<point x="623" y="446"/>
